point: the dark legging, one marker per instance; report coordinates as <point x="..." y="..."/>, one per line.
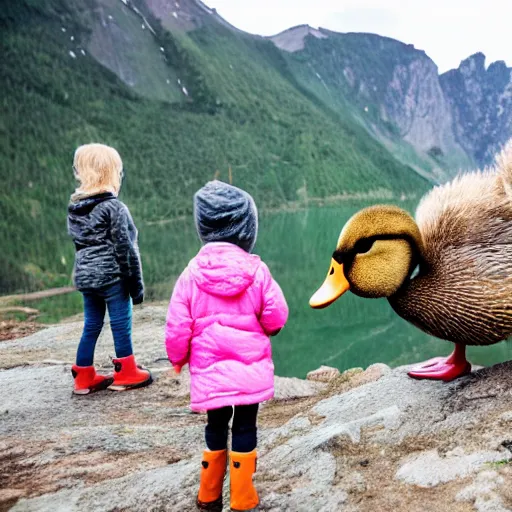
<point x="243" y="431"/>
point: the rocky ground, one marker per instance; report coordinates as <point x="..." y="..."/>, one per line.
<point x="365" y="440"/>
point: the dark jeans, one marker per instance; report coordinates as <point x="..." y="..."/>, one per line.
<point x="117" y="299"/>
<point x="243" y="431"/>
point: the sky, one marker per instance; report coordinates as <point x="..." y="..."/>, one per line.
<point x="448" y="30"/>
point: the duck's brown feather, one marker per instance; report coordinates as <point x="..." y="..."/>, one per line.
<point x="464" y="291"/>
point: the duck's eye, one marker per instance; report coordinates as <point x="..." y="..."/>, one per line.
<point x="363" y="246"/>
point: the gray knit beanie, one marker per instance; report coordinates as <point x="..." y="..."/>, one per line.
<point x="224" y="213"/>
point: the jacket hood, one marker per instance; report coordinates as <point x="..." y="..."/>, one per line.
<point x="85" y="205"/>
<point x="224" y="269"/>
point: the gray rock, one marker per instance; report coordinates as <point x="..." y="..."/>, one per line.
<point x="482" y="493"/>
<point x="288" y="388"/>
<point x="429" y="469"/>
<point x="323" y="374"/>
<point x="331" y="449"/>
<point x="160" y="489"/>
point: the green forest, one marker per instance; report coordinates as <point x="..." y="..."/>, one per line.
<point x="245" y="114"/>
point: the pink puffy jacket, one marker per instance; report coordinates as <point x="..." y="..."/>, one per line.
<point x="223" y="308"/>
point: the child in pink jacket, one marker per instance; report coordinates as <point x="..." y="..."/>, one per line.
<point x="223" y="309"/>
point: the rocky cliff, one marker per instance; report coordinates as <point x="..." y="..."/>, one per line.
<point x="363" y="440"/>
<point x="457" y="119"/>
<point x="481" y="104"/>
<point x="451" y="121"/>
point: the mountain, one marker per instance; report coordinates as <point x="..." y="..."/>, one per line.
<point x="481" y="105"/>
<point x="436" y="123"/>
<point x="306" y="115"/>
<point x="183" y="96"/>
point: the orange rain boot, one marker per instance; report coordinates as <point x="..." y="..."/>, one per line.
<point x="243" y="494"/>
<point x="88" y="381"/>
<point x="212" y="479"/>
<point x="128" y="375"/>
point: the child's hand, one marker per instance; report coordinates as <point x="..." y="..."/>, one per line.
<point x="139" y="299"/>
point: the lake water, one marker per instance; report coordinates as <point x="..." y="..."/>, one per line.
<point x="297" y="246"/>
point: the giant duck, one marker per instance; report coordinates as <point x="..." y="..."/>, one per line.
<point x="448" y="271"/>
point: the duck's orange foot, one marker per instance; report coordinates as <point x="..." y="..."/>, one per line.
<point x="443" y="368"/>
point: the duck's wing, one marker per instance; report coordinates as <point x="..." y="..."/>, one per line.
<point x="469" y="220"/>
<point x="466" y="227"/>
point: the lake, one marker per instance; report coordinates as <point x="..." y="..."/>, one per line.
<point x="297" y="246"/>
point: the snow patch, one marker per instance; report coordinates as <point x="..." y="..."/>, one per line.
<point x="72" y="54"/>
<point x="349" y="76"/>
<point x="185" y="92"/>
<point x="168" y="81"/>
<point x="292" y="40"/>
<point x="318" y="76"/>
<point x="162" y="49"/>
<point x="110" y="17"/>
<point x="231" y="66"/>
<point x="82" y="52"/>
<point x="63" y="29"/>
<point x="175" y="14"/>
<point x="143" y="26"/>
<point x="366" y="109"/>
<point x="125" y="2"/>
<point x="72" y="38"/>
<point x="179" y="81"/>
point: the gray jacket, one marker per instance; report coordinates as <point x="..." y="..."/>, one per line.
<point x="106" y="246"/>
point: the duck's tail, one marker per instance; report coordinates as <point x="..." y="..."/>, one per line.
<point x="504" y="167"/>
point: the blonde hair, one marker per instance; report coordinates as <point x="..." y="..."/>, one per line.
<point x="98" y="168"/>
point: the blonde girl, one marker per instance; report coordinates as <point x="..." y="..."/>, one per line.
<point x="107" y="268"/>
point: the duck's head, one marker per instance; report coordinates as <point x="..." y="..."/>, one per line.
<point x="377" y="250"/>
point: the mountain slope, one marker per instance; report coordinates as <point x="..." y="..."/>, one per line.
<point x="436" y="123"/>
<point x="236" y="104"/>
<point x="389" y="87"/>
<point x="125" y="44"/>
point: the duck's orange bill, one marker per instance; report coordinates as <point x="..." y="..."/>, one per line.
<point x="335" y="285"/>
